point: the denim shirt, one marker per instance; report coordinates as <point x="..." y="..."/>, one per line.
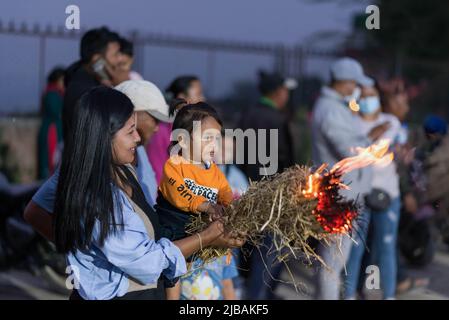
<point x="146" y="176"/>
<point x="103" y="271"/>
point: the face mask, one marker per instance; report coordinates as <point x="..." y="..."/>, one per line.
<point x="354" y="96"/>
<point x="369" y="105"/>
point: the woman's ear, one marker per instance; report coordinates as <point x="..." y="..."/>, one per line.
<point x="182" y="141"/>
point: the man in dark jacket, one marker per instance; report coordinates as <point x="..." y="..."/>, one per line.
<point x="269" y="113"/>
<point x="99" y="62"/>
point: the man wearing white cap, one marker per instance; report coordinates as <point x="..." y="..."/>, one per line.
<point x="334" y="134"/>
<point x="150" y="106"/>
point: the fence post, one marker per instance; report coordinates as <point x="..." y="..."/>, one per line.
<point x="279" y="59"/>
<point x="210" y="71"/>
<point x="42" y="52"/>
<point x="139" y="52"/>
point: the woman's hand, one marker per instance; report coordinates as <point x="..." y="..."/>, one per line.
<point x="213" y="235"/>
<point x="219" y="238"/>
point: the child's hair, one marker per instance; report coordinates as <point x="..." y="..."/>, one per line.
<point x="176" y="104"/>
<point x="188" y="114"/>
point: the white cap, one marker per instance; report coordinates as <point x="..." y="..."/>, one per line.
<point x="145" y="96"/>
<point x="350" y="69"/>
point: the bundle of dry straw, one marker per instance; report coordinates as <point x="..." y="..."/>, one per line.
<point x="276" y="206"/>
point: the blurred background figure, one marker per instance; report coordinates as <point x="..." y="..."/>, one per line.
<point x="268" y="113"/>
<point x="127" y="51"/>
<point x="99" y="63"/>
<point x="383" y="205"/>
<point x="50" y="132"/>
<point x="335" y="131"/>
<point x="436" y="170"/>
<point x="186" y="87"/>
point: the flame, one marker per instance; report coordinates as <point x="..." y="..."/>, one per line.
<point x="314" y="183"/>
<point x="375" y="154"/>
<point x="354" y="106"/>
<point x="333" y="213"/>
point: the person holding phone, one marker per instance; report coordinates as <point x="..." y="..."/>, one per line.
<point x="99" y="63"/>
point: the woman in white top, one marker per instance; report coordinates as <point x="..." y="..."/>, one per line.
<point x="383" y="204"/>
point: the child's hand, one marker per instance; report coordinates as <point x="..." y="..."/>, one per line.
<point x="215" y="212"/>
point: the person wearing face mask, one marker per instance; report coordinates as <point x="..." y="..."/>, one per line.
<point x="383" y="205"/>
<point x="335" y="132"/>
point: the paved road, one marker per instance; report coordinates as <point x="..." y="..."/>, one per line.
<point x="16" y="284"/>
<point x="437" y="272"/>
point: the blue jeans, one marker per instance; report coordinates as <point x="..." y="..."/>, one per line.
<point x="382" y="252"/>
<point x="335" y="256"/>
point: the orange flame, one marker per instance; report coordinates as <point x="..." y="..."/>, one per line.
<point x="375" y="154"/>
<point x="313" y="183"/>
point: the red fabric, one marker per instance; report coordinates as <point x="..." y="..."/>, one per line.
<point x="52" y="142"/>
<point x="51" y="87"/>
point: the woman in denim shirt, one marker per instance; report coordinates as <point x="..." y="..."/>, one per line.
<point x="111" y="236"/>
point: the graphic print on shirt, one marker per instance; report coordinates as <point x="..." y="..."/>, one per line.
<point x="209" y="193"/>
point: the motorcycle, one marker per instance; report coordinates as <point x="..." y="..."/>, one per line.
<point x="21" y="247"/>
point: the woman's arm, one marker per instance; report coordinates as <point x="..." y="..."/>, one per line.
<point x="39" y="211"/>
<point x="40" y="219"/>
<point x="212" y="236"/>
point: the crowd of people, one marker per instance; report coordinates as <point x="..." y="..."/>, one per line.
<point x="122" y="184"/>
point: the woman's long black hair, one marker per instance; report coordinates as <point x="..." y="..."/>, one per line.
<point x="85" y="195"/>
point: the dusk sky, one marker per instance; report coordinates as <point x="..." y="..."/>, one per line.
<point x="290" y="22"/>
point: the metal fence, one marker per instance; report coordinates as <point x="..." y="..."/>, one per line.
<point x="288" y="60"/>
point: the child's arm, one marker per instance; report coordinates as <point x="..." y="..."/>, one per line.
<point x="173" y="293"/>
<point x="228" y="290"/>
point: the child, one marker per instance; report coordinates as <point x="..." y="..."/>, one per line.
<point x="191" y="182"/>
<point x="212" y="281"/>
